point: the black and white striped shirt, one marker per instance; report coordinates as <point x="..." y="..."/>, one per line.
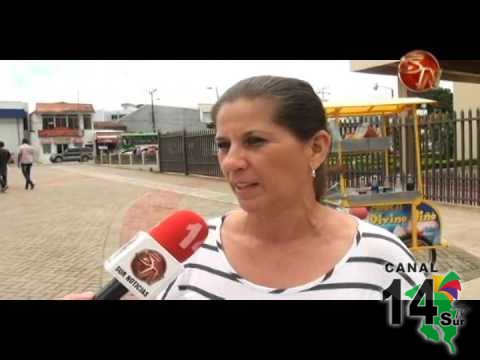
<point x="361" y="274"/>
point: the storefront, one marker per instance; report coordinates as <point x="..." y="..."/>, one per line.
<point x="107" y="140"/>
<point x="55" y="141"/>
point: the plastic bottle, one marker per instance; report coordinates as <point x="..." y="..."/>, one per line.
<point x="398" y="183"/>
<point x="410" y="183"/>
<point x="374" y="184"/>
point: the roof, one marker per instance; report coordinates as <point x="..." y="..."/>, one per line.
<point x="388" y="107"/>
<point x="63" y="107"/>
<point x="109" y="125"/>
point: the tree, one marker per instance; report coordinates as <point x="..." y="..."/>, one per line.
<point x="444" y="98"/>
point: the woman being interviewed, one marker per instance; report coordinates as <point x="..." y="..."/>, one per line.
<point x="283" y="243"/>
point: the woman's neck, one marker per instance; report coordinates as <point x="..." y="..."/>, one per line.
<point x="285" y="226"/>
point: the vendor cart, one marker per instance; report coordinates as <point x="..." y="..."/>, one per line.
<point x="388" y="197"/>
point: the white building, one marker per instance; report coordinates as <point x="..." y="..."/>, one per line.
<point x="114" y="115"/>
<point x="13" y="124"/>
<point x="57" y="126"/>
<point x="205" y="113"/>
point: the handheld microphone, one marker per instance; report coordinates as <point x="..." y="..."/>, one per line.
<point x="147" y="263"/>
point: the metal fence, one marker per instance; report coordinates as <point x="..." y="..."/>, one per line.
<point x="449" y="156"/>
<point x="130" y="159"/>
<point x="189" y="153"/>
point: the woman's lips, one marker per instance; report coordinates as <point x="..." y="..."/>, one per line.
<point x="244" y="187"/>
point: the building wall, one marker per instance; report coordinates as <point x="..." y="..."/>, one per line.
<point x="37" y="142"/>
<point x="100" y="115"/>
<point x="466" y="96"/>
<point x="205" y="113"/>
<point x="11" y="133"/>
<point x="109" y="115"/>
<point x="167" y="119"/>
<point x="11" y="130"/>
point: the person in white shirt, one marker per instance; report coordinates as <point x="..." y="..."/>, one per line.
<point x="26" y="154"/>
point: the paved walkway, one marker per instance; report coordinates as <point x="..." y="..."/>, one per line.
<point x="55" y="238"/>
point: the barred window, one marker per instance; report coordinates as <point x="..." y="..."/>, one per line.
<point x="61" y="121"/>
<point x="48" y="122"/>
<point x="87" y="122"/>
<point x="73" y="121"/>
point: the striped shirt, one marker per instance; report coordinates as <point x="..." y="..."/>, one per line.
<point x="361" y="274"/>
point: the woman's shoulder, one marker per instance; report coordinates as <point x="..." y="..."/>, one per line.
<point x="215" y="222"/>
<point x="214" y="225"/>
<point x="376" y="241"/>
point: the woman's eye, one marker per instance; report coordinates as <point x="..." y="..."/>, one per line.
<point x="223" y="145"/>
<point x="255" y="141"/>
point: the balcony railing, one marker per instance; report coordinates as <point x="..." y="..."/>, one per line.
<point x="60" y="132"/>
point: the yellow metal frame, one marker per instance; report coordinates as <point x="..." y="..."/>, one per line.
<point x="389" y="107"/>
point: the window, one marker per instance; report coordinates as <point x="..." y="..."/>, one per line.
<point x="73" y="121"/>
<point x="206" y="117"/>
<point x="47" y="149"/>
<point x="48" y="122"/>
<point x="87" y="122"/>
<point x="61" y="148"/>
<point x="61" y="121"/>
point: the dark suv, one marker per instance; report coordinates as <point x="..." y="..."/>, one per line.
<point x="73" y="154"/>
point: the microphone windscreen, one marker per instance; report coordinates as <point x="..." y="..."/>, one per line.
<point x="181" y="234"/>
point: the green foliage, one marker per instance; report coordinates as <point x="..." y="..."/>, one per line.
<point x="444" y="98"/>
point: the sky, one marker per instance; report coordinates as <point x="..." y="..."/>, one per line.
<point x="106" y="84"/>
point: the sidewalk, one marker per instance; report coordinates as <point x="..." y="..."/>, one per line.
<point x="461" y="230"/>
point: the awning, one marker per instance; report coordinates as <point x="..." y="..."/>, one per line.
<point x="12" y="114"/>
<point x="107" y="139"/>
<point x="387" y="107"/>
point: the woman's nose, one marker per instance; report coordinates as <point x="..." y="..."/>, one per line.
<point x="233" y="160"/>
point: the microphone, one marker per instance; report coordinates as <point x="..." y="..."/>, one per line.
<point x="147" y="263"/>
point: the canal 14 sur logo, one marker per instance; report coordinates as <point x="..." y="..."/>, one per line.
<point x="434" y="302"/>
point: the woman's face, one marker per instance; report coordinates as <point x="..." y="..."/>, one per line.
<point x="266" y="166"/>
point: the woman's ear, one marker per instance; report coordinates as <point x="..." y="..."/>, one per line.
<point x="320" y="148"/>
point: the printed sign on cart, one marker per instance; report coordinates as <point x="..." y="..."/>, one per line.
<point x="398" y="220"/>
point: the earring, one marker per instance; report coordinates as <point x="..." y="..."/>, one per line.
<point x="314" y="174"/>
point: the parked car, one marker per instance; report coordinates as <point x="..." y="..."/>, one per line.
<point x="73" y="154"/>
<point x="149" y="150"/>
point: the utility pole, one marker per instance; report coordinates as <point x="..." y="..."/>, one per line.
<point x="153" y="110"/>
<point x="216" y="90"/>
